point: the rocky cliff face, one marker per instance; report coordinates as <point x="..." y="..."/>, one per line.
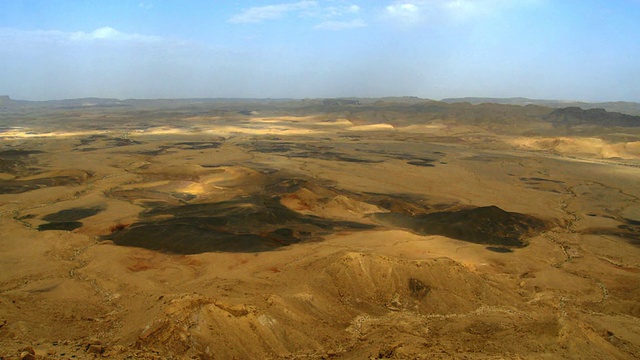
<point x="577" y="116"/>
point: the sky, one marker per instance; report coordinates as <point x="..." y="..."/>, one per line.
<point x="585" y="50"/>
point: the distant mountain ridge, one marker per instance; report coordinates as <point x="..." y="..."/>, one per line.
<point x="611" y="117"/>
<point x="625" y="107"/>
<point x="576" y="116"/>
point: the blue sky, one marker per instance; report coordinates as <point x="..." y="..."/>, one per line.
<point x="551" y="49"/>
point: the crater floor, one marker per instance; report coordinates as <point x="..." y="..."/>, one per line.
<point x="275" y="233"/>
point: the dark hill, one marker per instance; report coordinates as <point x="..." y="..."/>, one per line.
<point x="483" y="225"/>
<point x="577" y="116"/>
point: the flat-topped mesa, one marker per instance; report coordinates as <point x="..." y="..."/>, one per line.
<point x="5" y="100"/>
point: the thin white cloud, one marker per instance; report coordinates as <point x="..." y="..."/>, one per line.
<point x="106" y="33"/>
<point x="341" y="25"/>
<point x="335" y="11"/>
<point x="109" y="33"/>
<point x="406" y="12"/>
<point x="145" y="5"/>
<point x="420" y="11"/>
<point x="338" y="16"/>
<point x="261" y="13"/>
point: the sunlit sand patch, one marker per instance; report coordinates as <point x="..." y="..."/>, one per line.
<point x="340" y="122"/>
<point x="284" y="119"/>
<point x="194" y="189"/>
<point x="35" y="133"/>
<point x="308" y="121"/>
<point x="167" y="186"/>
<point x="580" y="145"/>
<point x="261" y="130"/>
<point x="197" y="188"/>
<point x="227" y="175"/>
<point x="633" y="148"/>
<point x="374" y="127"/>
<point x="430" y="128"/>
<point x="143" y="185"/>
<point x="162" y="130"/>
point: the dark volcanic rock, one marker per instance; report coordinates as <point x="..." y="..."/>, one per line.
<point x="72" y="214"/>
<point x="600" y="117"/>
<point x="15" y="161"/>
<point x="21" y="186"/>
<point x="245" y="224"/>
<point x="66" y="225"/>
<point x="499" y="249"/>
<point x="483" y="225"/>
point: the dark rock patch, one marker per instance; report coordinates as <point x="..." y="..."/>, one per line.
<point x="123" y="142"/>
<point x="270" y="146"/>
<point x="331" y="156"/>
<point x="244" y="224"/>
<point x="499" y="249"/>
<point x="198" y="145"/>
<point x="101" y="142"/>
<point x="418" y="288"/>
<point x="534" y="179"/>
<point x="16" y="161"/>
<point x="483" y="225"/>
<point x="17" y="153"/>
<point x="21" y="186"/>
<point x="213" y="166"/>
<point x="156" y="152"/>
<point x="67" y="226"/>
<point x="632" y="222"/>
<point x="74" y="214"/>
<point x="422" y="162"/>
<point x="90" y="139"/>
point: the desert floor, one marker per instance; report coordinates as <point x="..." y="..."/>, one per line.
<point x="267" y="235"/>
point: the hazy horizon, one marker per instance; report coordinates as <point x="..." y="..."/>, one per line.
<point x="431" y="49"/>
<point x="568" y="101"/>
